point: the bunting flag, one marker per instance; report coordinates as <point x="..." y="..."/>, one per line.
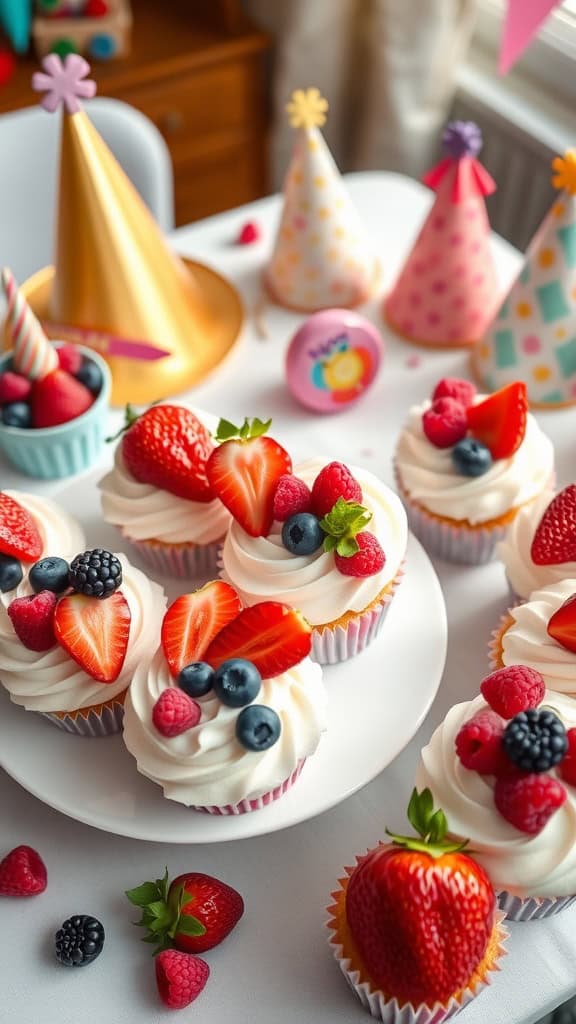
<point x="522" y="21"/>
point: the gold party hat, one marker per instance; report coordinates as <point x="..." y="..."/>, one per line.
<point x="162" y="322"/>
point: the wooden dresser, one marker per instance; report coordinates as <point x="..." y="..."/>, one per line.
<point x="197" y="70"/>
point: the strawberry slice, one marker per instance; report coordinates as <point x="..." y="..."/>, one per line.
<point x="19" y="535"/>
<point x="94" y="633"/>
<point x="193" y="620"/>
<point x="562" y="625"/>
<point x="244" y="473"/>
<point x="271" y="635"/>
<point x="555" y="538"/>
<point x="499" y="421"/>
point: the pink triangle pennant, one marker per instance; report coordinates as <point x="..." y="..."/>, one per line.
<point x="523" y="19"/>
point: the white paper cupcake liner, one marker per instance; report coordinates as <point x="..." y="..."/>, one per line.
<point x="332" y="645"/>
<point x="105" y="722"/>
<point x="183" y="561"/>
<point x="245" y="806"/>
<point x="532" y="908"/>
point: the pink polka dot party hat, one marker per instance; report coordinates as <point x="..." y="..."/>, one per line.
<point x="447" y="291"/>
<point x="533" y="337"/>
<point x="322" y="256"/>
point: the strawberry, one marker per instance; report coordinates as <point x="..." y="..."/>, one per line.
<point x="174" y="712"/>
<point x="499" y="421"/>
<point x="193" y="620"/>
<point x="94" y="633"/>
<point x="244" y="472"/>
<point x="69" y="358"/>
<point x="22" y="873"/>
<point x="180" y="978"/>
<point x="193" y="914"/>
<point x="420" y="911"/>
<point x="333" y="482"/>
<point x="13" y="387"/>
<point x="249" y="233"/>
<point x="562" y="625"/>
<point x="58" y="398"/>
<point x="555" y="539"/>
<point x="567" y="767"/>
<point x="168" y="447"/>
<point x="272" y="636"/>
<point x="367" y="561"/>
<point x="32" y="619"/>
<point x="19" y="535"/>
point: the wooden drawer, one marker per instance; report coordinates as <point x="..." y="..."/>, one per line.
<point x="225" y="180"/>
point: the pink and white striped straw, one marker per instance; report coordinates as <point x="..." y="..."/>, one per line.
<point x="33" y="355"/>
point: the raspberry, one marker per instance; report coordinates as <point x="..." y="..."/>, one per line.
<point x="367" y="561"/>
<point x="528" y="801"/>
<point x="292" y="495"/>
<point x="249" y="233"/>
<point x="333" y="482"/>
<point x="69" y="358"/>
<point x="463" y="391"/>
<point x="22" y="873"/>
<point x="567" y="767"/>
<point x="13" y="387"/>
<point x="180" y="977"/>
<point x="33" y="620"/>
<point x="513" y="689"/>
<point x="479" y="743"/>
<point x="174" y="712"/>
<point x="445" y="423"/>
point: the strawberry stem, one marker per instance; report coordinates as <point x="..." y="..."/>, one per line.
<point x="431" y="826"/>
<point x="227" y="431"/>
<point x="130" y="417"/>
<point x="162" y="912"/>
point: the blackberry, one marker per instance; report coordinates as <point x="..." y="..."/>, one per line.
<point x="79" y="941"/>
<point x="96" y="573"/>
<point x="535" y="740"/>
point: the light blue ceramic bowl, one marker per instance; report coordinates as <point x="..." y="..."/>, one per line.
<point x="51" y="453"/>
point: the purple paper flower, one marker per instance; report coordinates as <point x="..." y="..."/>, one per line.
<point x="461" y="138"/>
<point x="64" y="82"/>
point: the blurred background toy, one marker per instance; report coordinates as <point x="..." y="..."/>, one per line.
<point x="99" y="29"/>
<point x="15" y="19"/>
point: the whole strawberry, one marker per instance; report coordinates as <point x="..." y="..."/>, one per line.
<point x="421" y="912"/>
<point x="22" y="873"/>
<point x="194" y="913"/>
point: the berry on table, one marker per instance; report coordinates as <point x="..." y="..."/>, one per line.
<point x="58" y="398"/>
<point x="273" y="636"/>
<point x="69" y="358"/>
<point x="237" y="682"/>
<point x="302" y="534"/>
<point x="175" y="712"/>
<point x="292" y="495"/>
<point x="535" y="740"/>
<point x="10" y="573"/>
<point x="529" y="801"/>
<point x="196" y="679"/>
<point x="471" y="457"/>
<point x="33" y="620"/>
<point x="49" y="573"/>
<point x="258" y="727"/>
<point x="555" y="537"/>
<point x="22" y="873"/>
<point x="499" y="421"/>
<point x="463" y="391"/>
<point x="513" y="689"/>
<point x="479" y="743"/>
<point x="79" y="941"/>
<point x="334" y="481"/>
<point x="17" y="414"/>
<point x="444" y="423"/>
<point x="13" y="387"/>
<point x="90" y="375"/>
<point x="180" y="977"/>
<point x="19" y="535"/>
<point x="96" y="573"/>
<point x="567" y="767"/>
<point x="249" y="233"/>
<point x="368" y="560"/>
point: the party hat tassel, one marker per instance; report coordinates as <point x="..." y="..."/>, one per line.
<point x="34" y="357"/>
<point x="461" y="141"/>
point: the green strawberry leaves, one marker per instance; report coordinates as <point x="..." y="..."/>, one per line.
<point x="341" y="525"/>
<point x="431" y="826"/>
<point x="227" y="431"/>
<point x="162" y="912"/>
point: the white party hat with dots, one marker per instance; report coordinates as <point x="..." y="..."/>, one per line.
<point x="321" y="256"/>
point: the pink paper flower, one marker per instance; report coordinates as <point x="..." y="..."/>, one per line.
<point x="64" y="82"/>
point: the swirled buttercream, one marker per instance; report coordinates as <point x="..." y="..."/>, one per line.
<point x="526" y="640"/>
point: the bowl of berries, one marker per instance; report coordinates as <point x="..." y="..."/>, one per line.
<point x="53" y="418"/>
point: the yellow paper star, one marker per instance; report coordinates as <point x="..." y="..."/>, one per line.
<point x="307" y="109"/>
<point x="565" y="171"/>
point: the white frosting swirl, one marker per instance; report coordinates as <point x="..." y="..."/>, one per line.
<point x="145" y="512"/>
<point x="52" y="681"/>
<point x="526" y="641"/>
<point x="514" y="551"/>
<point x="260" y="568"/>
<point x="540" y="865"/>
<point x="429" y="476"/>
<point x="206" y="765"/>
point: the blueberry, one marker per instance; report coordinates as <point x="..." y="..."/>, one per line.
<point x="237" y="682"/>
<point x="10" y="573"/>
<point x="471" y="457"/>
<point x="49" y="574"/>
<point x="90" y="375"/>
<point x="258" y="727"/>
<point x="17" y="414"/>
<point x="302" y="534"/>
<point x="196" y="679"/>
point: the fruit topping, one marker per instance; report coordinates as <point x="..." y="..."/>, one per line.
<point x="33" y="620"/>
<point x="471" y="457"/>
<point x="302" y="534"/>
<point x="271" y="635"/>
<point x="499" y="421"/>
<point x="368" y="560"/>
<point x="10" y="573"/>
<point x="237" y="682"/>
<point x="94" y="633"/>
<point x="175" y="712"/>
<point x="513" y="689"/>
<point x="96" y="573"/>
<point x="244" y="472"/>
<point x="49" y="574"/>
<point x="529" y="801"/>
<point x="180" y="978"/>
<point x="90" y="375"/>
<point x="17" y="414"/>
<point x="79" y="941"/>
<point x="555" y="538"/>
<point x="463" y="391"/>
<point x="13" y="387"/>
<point x="258" y="727"/>
<point x="196" y="679"/>
<point x="291" y="496"/>
<point x="567" y="767"/>
<point x="357" y="552"/>
<point x="19" y="535"/>
<point x="535" y="740"/>
<point x="445" y="423"/>
<point x="333" y="482"/>
<point x="479" y="743"/>
<point x="58" y="398"/>
<point x="562" y="625"/>
<point x="194" y="620"/>
<point x="22" y="873"/>
<point x="69" y="358"/>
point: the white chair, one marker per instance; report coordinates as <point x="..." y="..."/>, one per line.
<point x="29" y="148"/>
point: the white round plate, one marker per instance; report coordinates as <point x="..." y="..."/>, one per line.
<point x="377" y="702"/>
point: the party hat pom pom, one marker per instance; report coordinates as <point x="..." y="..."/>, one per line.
<point x="307" y="109"/>
<point x="461" y="138"/>
<point x="64" y="82"/>
<point x="565" y="171"/>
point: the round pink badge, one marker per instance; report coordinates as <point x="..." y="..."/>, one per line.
<point x="332" y="359"/>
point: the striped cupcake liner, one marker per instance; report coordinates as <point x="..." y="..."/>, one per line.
<point x="532" y="908"/>
<point x="245" y="806"/>
<point x="183" y="561"/>
<point x="105" y="722"/>
<point x="495" y="642"/>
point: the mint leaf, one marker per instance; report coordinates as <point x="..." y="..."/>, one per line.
<point x="347" y="546"/>
<point x="143" y="894"/>
<point x="330" y="543"/>
<point x="226" y="430"/>
<point x="345" y="520"/>
<point x="189" y="925"/>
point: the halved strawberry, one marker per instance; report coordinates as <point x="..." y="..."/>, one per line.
<point x="555" y="538"/>
<point x="500" y="420"/>
<point x="193" y="620"/>
<point x="562" y="625"/>
<point x="244" y="472"/>
<point x="271" y="635"/>
<point x="94" y="633"/>
<point x="19" y="535"/>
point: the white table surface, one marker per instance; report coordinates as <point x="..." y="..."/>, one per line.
<point x="276" y="967"/>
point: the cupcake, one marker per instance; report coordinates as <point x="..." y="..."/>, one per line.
<point x="158" y="494"/>
<point x="541" y="633"/>
<point x="466" y="464"/>
<point x="327" y="539"/>
<point x="230" y="707"/>
<point x="504" y="768"/>
<point x="540" y="544"/>
<point x="414" y="925"/>
<point x="70" y="644"/>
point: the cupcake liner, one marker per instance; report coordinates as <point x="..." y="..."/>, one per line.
<point x="448" y="541"/>
<point x="184" y="561"/>
<point x="495" y="642"/>
<point x="532" y="908"/>
<point x="106" y="721"/>
<point x="245" y="806"/>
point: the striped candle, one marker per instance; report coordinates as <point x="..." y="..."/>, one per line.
<point x="33" y="355"/>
